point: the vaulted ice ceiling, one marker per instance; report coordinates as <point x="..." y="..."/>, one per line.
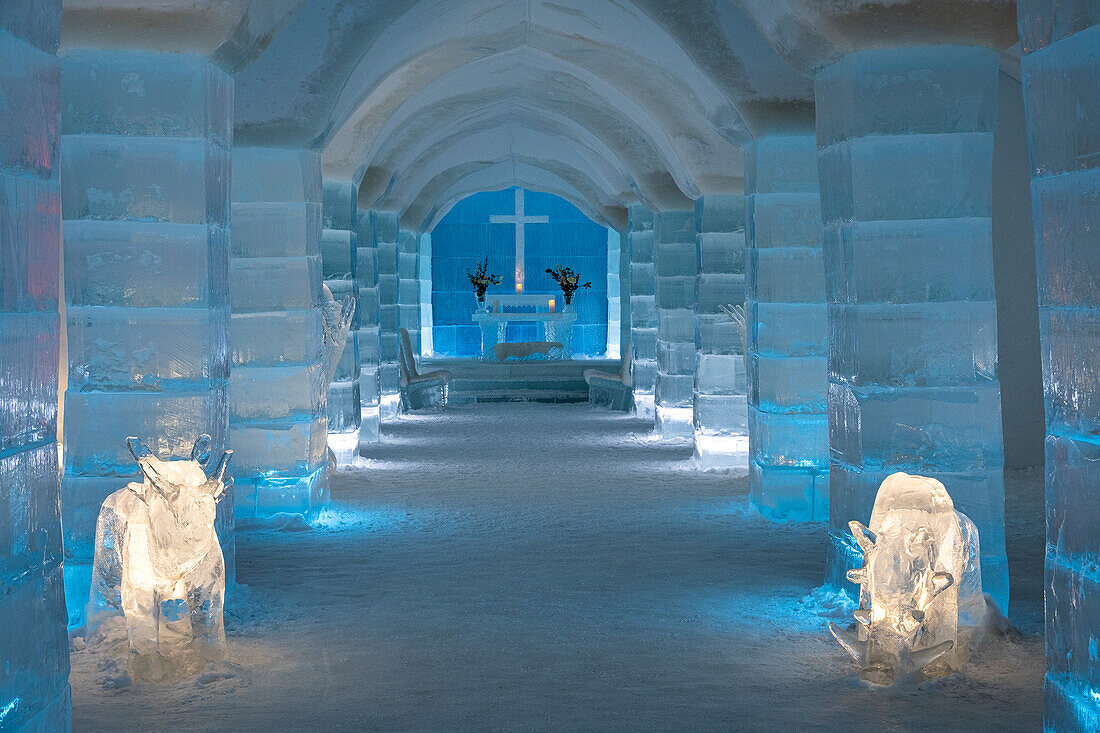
<point x="603" y="102"/>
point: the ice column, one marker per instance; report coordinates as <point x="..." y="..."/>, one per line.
<point x="788" y="331"/>
<point x="675" y="264"/>
<point x="146" y="150"/>
<point x="1061" y="69"/>
<point x="614" y="324"/>
<point x="34" y="677"/>
<point x="905" y="139"/>
<point x="368" y="340"/>
<point x="386" y="237"/>
<point x="340" y="260"/>
<point x="643" y="309"/>
<point x="408" y="286"/>
<point x="426" y="345"/>
<point x="720" y="408"/>
<point x="278" y="427"/>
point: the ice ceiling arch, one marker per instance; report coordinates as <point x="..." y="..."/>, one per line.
<point x="644" y="100"/>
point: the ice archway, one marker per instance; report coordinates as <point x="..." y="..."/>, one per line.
<point x="268" y="147"/>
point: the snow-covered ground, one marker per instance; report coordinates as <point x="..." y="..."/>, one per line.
<point x="553" y="567"/>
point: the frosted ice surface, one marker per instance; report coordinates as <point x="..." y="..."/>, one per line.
<point x="921" y="578"/>
<point x="159" y="563"/>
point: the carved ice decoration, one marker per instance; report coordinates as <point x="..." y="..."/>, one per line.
<point x="158" y="561"/>
<point x="336" y="321"/>
<point x="920" y="585"/>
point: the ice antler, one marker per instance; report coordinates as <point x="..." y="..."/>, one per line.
<point x="736" y="313"/>
<point x="201" y="450"/>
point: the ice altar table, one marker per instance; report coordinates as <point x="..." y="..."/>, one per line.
<point x="557" y="326"/>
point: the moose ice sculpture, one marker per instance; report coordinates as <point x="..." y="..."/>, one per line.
<point x="158" y="561"/>
<point x="920" y="582"/>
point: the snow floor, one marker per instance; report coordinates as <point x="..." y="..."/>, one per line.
<point x="519" y="566"/>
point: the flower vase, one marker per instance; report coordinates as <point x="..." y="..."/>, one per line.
<point x="568" y="304"/>
<point x="481" y="304"/>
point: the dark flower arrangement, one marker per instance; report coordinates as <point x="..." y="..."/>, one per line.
<point x="481" y="279"/>
<point x="567" y="280"/>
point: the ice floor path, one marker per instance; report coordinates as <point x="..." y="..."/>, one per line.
<point x="543" y="567"/>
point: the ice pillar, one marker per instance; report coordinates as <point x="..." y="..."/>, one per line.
<point x="788" y="330"/>
<point x="643" y="309"/>
<point x="278" y="426"/>
<point x="146" y="148"/>
<point x="905" y="140"/>
<point x="675" y="264"/>
<point x="614" y="323"/>
<point x="408" y="286"/>
<point x="340" y="261"/>
<point x="1061" y="69"/>
<point x="386" y="237"/>
<point x="34" y="677"/>
<point x="720" y="408"/>
<point x="367" y="277"/>
<point x="427" y="347"/>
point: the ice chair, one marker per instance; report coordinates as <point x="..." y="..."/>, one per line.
<point x="419" y="391"/>
<point x="615" y="391"/>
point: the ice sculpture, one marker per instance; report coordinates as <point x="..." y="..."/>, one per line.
<point x="920" y="581"/>
<point x="337" y="318"/>
<point x="158" y="561"/>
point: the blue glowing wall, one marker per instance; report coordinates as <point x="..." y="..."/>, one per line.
<point x="465" y="236"/>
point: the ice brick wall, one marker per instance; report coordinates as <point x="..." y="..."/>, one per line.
<point x="278" y="427"/>
<point x="368" y="338"/>
<point x="34" y="677"/>
<point x="905" y="139"/>
<point x="643" y="309"/>
<point x="408" y="286"/>
<point x="788" y="330"/>
<point x="675" y="265"/>
<point x="1061" y="69"/>
<point x="720" y="411"/>
<point x="386" y="238"/>
<point x="146" y="147"/>
<point x="340" y="264"/>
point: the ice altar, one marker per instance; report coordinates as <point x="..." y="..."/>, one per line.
<point x="920" y="584"/>
<point x="158" y="561"/>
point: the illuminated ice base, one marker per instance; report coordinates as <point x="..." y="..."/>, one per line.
<point x="722" y="452"/>
<point x="345" y="446"/>
<point x="644" y="405"/>
<point x="674" y="422"/>
<point x="264" y="496"/>
<point x="390" y="406"/>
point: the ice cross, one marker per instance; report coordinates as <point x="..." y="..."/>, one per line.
<point x="519" y="220"/>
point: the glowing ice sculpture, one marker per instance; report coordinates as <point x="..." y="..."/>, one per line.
<point x="920" y="582"/>
<point x="158" y="561"/>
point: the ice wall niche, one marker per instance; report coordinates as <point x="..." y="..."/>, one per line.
<point x="905" y="148"/>
<point x="159" y="563"/>
<point x="146" y="151"/>
<point x="920" y="597"/>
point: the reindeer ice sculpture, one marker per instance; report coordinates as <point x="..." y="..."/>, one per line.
<point x="158" y="561"/>
<point x="921" y="574"/>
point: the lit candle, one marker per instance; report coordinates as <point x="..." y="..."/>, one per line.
<point x="551" y="305"/>
<point x="519" y="287"/>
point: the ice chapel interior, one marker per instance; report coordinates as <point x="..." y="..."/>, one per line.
<point x="549" y="365"/>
